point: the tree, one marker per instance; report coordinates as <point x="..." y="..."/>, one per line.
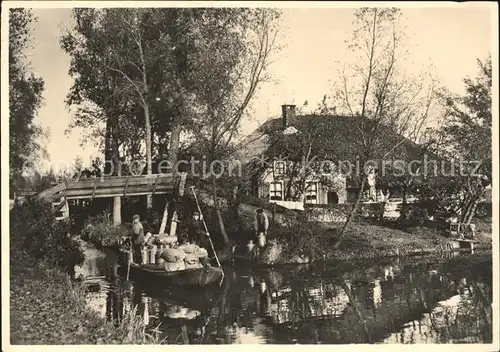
<point x="464" y="143"/>
<point x="25" y="96"/>
<point x="124" y="64"/>
<point x="233" y="50"/>
<point x="387" y="105"/>
<point x="175" y="69"/>
<point x="103" y="109"/>
<point x="140" y="50"/>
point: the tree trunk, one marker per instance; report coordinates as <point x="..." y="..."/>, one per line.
<point x="111" y="155"/>
<point x="220" y="221"/>
<point x="288" y="193"/>
<point x="173" y="149"/>
<point x="221" y="316"/>
<point x="148" y="151"/>
<point x="472" y="210"/>
<point x="145" y="105"/>
<point x="354" y="305"/>
<point x="351" y="214"/>
<point x="115" y="156"/>
<point x="404" y="208"/>
<point x="107" y="144"/>
<point x="466" y="209"/>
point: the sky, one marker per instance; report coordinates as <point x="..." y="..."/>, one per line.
<point x="312" y="41"/>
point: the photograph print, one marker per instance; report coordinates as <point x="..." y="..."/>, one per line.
<point x="263" y="173"/>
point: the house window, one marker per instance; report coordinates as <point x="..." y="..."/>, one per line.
<point x="311" y="193"/>
<point x="276" y="191"/>
<point x="279" y="168"/>
<point x="332" y="198"/>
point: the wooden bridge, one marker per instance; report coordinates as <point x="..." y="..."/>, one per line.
<point x="114" y="186"/>
<point x="111" y="187"/>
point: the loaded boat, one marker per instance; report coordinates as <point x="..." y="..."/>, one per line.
<point x="161" y="262"/>
<point x="154" y="274"/>
<point x="161" y="270"/>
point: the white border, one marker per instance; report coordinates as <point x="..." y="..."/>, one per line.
<point x="296" y="4"/>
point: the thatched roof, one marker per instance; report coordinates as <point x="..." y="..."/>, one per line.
<point x="340" y="137"/>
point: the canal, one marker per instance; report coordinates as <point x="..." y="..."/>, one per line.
<point x="445" y="299"/>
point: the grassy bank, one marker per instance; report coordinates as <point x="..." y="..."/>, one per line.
<point x="364" y="240"/>
<point x="367" y="241"/>
<point x="46" y="307"/>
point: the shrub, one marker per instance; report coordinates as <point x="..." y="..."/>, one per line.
<point x="370" y="210"/>
<point x="418" y="216"/>
<point x="99" y="230"/>
<point x="35" y="232"/>
<point x="152" y="221"/>
<point x="484" y="210"/>
<point x="47" y="307"/>
<point x="303" y="237"/>
<point x="413" y="215"/>
<point x="430" y="205"/>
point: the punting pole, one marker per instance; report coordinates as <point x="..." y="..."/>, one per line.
<point x="129" y="260"/>
<point x="206" y="230"/>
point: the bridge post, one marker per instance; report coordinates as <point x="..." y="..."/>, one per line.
<point x="117" y="211"/>
<point x="66" y="209"/>
<point x="173" y="222"/>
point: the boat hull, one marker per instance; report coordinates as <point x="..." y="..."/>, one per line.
<point x="192" y="278"/>
<point x="200" y="300"/>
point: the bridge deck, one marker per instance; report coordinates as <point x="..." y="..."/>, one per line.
<point x="112" y="186"/>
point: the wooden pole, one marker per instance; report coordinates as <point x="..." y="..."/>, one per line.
<point x="173" y="225"/>
<point x="164" y="218"/>
<point x="208" y="234"/>
<point x="129" y="262"/>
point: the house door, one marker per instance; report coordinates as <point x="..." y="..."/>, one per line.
<point x="333" y="198"/>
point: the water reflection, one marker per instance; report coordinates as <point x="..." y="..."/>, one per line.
<point x="420" y="300"/>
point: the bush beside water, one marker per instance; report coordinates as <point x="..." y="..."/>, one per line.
<point x="46" y="306"/>
<point x="35" y="231"/>
<point x="99" y="230"/>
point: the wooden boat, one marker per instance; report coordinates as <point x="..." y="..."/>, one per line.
<point x="192" y="278"/>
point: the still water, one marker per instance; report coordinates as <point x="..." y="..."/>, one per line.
<point x="406" y="300"/>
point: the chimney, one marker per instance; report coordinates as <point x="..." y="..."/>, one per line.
<point x="287" y="113"/>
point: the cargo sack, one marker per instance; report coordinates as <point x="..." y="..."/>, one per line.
<point x="188" y="248"/>
<point x="150" y="241"/>
<point x="173" y="255"/>
<point x="191" y="259"/>
<point x="165" y="239"/>
<point x="195" y="265"/>
<point x="174" y="266"/>
<point x="194" y="249"/>
<point x="201" y="253"/>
